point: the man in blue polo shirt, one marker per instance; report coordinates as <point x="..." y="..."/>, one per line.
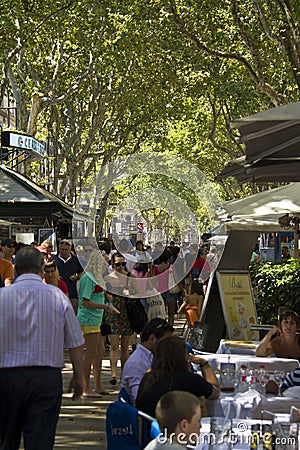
<point x="140" y="360"/>
<point x="70" y="270"/>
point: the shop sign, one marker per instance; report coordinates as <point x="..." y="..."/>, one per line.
<point x="22" y="141"/>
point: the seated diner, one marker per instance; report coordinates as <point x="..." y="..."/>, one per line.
<point x="170" y="371"/>
<point x="286" y="344"/>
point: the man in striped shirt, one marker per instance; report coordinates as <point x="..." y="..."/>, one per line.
<point x="37" y="322"/>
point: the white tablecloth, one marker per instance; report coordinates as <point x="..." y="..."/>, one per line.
<point x="230" y="347"/>
<point x="231" y="407"/>
<point x="270" y="363"/>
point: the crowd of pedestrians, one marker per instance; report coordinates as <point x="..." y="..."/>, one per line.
<point x="55" y="300"/>
<point x="37" y="322"/>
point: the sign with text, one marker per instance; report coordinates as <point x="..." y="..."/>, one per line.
<point x="238" y="305"/>
<point x="24" y="142"/>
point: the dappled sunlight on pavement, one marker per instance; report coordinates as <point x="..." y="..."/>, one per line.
<point x="81" y="423"/>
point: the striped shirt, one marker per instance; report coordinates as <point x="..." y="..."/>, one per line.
<point x="292" y="379"/>
<point x="37" y="322"/>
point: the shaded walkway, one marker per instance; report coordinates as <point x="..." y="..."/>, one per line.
<point x="81" y="424"/>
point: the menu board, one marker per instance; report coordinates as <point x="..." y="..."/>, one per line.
<point x="238" y="305"/>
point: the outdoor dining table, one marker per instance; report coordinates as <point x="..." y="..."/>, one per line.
<point x="232" y="407"/>
<point x="251" y="361"/>
<point x="231" y="347"/>
<point x="239" y="433"/>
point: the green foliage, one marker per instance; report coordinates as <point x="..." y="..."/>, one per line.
<point x="275" y="285"/>
<point x="100" y="79"/>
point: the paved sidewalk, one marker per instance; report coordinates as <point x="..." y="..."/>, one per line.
<point x="81" y="423"/>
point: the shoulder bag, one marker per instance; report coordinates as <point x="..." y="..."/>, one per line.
<point x="136" y="313"/>
<point x="196" y="339"/>
<point x="156" y="304"/>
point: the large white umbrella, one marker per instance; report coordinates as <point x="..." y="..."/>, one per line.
<point x="268" y="204"/>
<point x="262" y="211"/>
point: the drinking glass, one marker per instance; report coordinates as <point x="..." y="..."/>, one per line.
<point x="279" y="376"/>
<point x="219" y="432"/>
<point x="263" y="378"/>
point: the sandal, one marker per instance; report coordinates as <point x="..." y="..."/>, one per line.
<point x="113" y="381"/>
<point x="103" y="392"/>
<point x="92" y="395"/>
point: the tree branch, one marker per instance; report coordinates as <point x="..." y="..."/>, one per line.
<point x="264" y="24"/>
<point x="266" y="88"/>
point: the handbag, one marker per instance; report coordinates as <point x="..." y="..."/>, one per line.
<point x="173" y="287"/>
<point x="156" y="305"/>
<point x="105" y="328"/>
<point x="136" y="313"/>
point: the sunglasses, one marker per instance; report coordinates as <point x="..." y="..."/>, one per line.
<point x="289" y="314"/>
<point x="49" y="271"/>
<point x="119" y="264"/>
<point x="9" y="245"/>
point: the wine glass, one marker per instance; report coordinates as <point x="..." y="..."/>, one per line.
<point x="263" y="378"/>
<point x="279" y="376"/>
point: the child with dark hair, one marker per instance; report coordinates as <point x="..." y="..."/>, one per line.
<point x="51" y="276"/>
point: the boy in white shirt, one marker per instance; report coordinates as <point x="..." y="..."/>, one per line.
<point x="179" y="415"/>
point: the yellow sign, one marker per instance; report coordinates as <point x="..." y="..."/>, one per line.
<point x="238" y="305"/>
<point x="46" y="223"/>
